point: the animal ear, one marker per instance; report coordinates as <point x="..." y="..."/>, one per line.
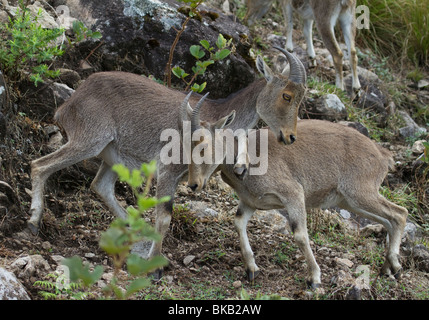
<point x="264" y="69"/>
<point x="225" y="121"/>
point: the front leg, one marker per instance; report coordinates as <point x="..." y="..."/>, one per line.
<point x="244" y="213"/>
<point x="167" y="180"/>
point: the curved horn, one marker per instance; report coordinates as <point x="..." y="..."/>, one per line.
<point x="184" y="106"/>
<point x="297" y="69"/>
<point x="195" y="120"/>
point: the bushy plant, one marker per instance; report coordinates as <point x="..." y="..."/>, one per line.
<point x="26" y="47"/>
<point x="27" y="50"/>
<point x="200" y="67"/>
<point x="398" y="28"/>
<point x="118" y="240"/>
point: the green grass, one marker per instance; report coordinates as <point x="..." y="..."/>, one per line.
<point x="398" y="28"/>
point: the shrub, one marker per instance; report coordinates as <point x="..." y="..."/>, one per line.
<point x="26" y="47"/>
<point x="122" y="234"/>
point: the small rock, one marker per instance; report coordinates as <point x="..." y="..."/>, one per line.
<point x="367" y="74"/>
<point x="328" y="107"/>
<point x="356" y="125"/>
<point x="376" y="230"/>
<point x="323" y="251"/>
<point x="423" y="84"/>
<point x="57" y="259"/>
<point x="410" y="231"/>
<point x="202" y="210"/>
<point x="29" y="266"/>
<point x="10" y="287"/>
<point x="46" y="245"/>
<point x="89" y="255"/>
<point x="411" y="128"/>
<point x="342" y="279"/>
<point x="362" y="280"/>
<point x="237" y="284"/>
<point x="418" y="147"/>
<point x="188" y="259"/>
<point x="421" y="257"/>
<point x="70" y="77"/>
<point x="61" y="92"/>
<point x="343" y="262"/>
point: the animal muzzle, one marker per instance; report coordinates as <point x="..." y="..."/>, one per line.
<point x="286" y="139"/>
<point x="197" y="186"/>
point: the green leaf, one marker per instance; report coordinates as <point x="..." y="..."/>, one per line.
<point x="221" y="41"/>
<point x="78" y="271"/>
<point x="146" y="203"/>
<point x="205" y="44"/>
<point x="149" y="168"/>
<point x="198" y="87"/>
<point x="137" y="285"/>
<point x="137" y="265"/>
<point x="96" y="35"/>
<point x="197" y="52"/>
<point x="202" y="87"/>
<point x="204" y="64"/>
<point x="114" y="241"/>
<point x="136" y="179"/>
<point x="179" y="72"/>
<point x="222" y="54"/>
<point x="122" y="171"/>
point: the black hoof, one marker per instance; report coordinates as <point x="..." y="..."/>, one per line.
<point x="156" y="275"/>
<point x="397" y="274"/>
<point x="33" y="228"/>
<point x="313" y="286"/>
<point x="251" y="275"/>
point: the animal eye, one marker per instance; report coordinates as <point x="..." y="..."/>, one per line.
<point x="287" y="97"/>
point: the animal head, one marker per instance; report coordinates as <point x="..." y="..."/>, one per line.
<point x="278" y="103"/>
<point x="208" y="147"/>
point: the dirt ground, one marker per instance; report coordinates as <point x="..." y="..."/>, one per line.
<point x="74" y="219"/>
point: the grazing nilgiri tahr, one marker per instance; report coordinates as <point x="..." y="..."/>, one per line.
<point x="326" y="13"/>
<point x="329" y="165"/>
<point x="120" y="116"/>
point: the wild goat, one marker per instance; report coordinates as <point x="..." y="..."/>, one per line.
<point x="329" y="165"/>
<point x="326" y="13"/>
<point x="120" y="116"/>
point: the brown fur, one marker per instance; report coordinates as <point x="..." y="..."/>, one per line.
<point x="119" y="117"/>
<point x="329" y="165"/>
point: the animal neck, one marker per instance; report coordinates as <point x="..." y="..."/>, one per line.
<point x="244" y="104"/>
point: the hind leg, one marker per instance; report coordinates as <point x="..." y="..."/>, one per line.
<point x="325" y="26"/>
<point x="391" y="216"/>
<point x="42" y="168"/>
<point x="348" y="25"/>
<point x="288" y="16"/>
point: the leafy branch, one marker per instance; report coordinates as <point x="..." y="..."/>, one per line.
<point x="201" y="65"/>
<point x="192" y="12"/>
<point x="122" y="234"/>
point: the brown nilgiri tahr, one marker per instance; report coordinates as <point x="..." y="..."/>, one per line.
<point x="120" y="117"/>
<point x="329" y="165"/>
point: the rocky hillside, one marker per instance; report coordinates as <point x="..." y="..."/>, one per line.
<point x="202" y="245"/>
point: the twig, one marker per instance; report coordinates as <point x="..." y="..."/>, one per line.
<point x="173" y="47"/>
<point x="176" y="40"/>
<point x="93" y="50"/>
